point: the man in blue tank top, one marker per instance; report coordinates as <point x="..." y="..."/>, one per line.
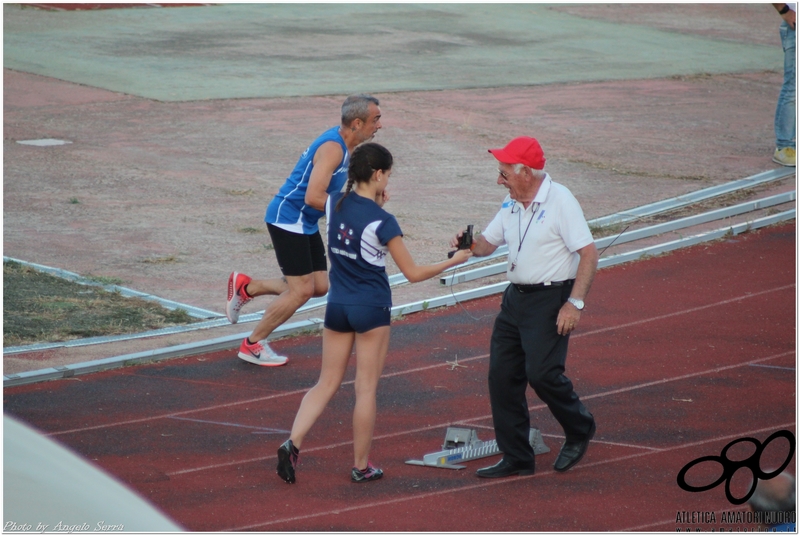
<point x="292" y="221"/>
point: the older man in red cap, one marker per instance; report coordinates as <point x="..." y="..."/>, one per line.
<point x="552" y="260"/>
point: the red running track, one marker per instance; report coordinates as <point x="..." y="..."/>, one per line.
<point x="676" y="356"/>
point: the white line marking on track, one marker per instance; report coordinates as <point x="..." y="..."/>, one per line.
<point x="502" y="481"/>
<point x="772" y="367"/>
<point x="652" y="383"/>
<point x="230" y="424"/>
<point x="241" y="402"/>
<point x="535" y="407"/>
<point x="423" y="368"/>
<point x="608" y="443"/>
<point x="686" y="311"/>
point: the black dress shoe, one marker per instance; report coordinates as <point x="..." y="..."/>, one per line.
<point x="506" y="468"/>
<point x="573" y="450"/>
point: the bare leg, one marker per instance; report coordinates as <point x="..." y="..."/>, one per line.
<point x="371" y="350"/>
<point x="336" y="351"/>
<point x="299" y="290"/>
<point x="267" y="287"/>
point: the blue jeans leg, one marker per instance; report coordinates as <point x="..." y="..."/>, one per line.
<point x="785" y="116"/>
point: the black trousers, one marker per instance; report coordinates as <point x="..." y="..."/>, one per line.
<point x="527" y="349"/>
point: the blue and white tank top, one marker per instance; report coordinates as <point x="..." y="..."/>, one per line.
<point x="357" y="238"/>
<point x="288" y="209"/>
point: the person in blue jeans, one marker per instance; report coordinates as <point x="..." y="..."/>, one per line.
<point x="360" y="234"/>
<point x="774" y="503"/>
<point x="785" y="116"/>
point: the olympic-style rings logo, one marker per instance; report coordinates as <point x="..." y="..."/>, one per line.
<point x="730" y="466"/>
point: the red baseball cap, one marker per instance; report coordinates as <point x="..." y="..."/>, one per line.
<point x="524" y="150"/>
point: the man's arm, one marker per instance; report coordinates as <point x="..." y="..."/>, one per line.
<point x="325" y="162"/>
<point x="586" y="269"/>
<point x="481" y="247"/>
<point x="787" y="14"/>
<point x="569" y="316"/>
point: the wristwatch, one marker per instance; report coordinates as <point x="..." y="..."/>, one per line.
<point x="578" y="303"/>
<point x="786" y="8"/>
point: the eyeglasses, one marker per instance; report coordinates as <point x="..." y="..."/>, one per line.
<point x="502" y="174"/>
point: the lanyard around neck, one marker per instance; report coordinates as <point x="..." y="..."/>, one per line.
<point x="522" y="237"/>
<point x="532" y="216"/>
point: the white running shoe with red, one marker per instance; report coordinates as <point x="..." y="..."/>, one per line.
<point x="236" y="295"/>
<point x="260" y="353"/>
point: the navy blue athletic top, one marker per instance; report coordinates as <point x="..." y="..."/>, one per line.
<point x="357" y="238"/>
<point x="288" y="209"/>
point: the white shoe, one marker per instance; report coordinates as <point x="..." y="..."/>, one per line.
<point x="260" y="353"/>
<point x="236" y="296"/>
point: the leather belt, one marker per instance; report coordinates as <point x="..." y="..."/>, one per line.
<point x="527" y="288"/>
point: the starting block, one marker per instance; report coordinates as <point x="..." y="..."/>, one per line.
<point x="463" y="445"/>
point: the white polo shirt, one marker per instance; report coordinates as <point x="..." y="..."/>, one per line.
<point x="543" y="240"/>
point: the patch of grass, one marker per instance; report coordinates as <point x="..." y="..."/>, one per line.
<point x="237" y="192"/>
<point x="262" y="248"/>
<point x="606" y="230"/>
<point x="170" y="259"/>
<point x="105" y="281"/>
<point x="250" y="230"/>
<point x="39" y="308"/>
<point x="722" y="201"/>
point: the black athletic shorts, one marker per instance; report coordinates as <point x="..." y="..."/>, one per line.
<point x="356" y="318"/>
<point x="298" y="254"/>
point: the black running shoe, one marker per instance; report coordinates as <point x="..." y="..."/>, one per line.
<point x="287" y="457"/>
<point x="370" y="474"/>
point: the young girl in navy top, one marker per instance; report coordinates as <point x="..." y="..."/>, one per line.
<point x="360" y="235"/>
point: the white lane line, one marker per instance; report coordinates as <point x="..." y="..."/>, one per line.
<point x="503" y="481"/>
<point x="231" y="424"/>
<point x="773" y="367"/>
<point x="687" y="311"/>
<point x="414" y="370"/>
<point x="535" y="407"/>
<point x="242" y="402"/>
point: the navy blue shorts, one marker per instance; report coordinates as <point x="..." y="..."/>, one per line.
<point x="356" y="318"/>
